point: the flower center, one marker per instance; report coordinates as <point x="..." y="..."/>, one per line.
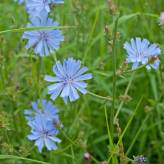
<point x="139" y="54"/>
<point x="43" y="35"/>
<point x="69" y="80"/>
<point x="45" y="133"/>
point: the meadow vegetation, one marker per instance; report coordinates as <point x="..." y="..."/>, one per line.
<point x="121" y="116"/>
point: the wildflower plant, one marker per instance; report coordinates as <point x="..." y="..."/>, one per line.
<point x="43" y="121"/>
<point x="43" y="132"/>
<point x="92" y="124"/>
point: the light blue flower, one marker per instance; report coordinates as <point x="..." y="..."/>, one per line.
<point x="69" y="80"/>
<point x="37" y="7"/>
<point x="43" y="132"/>
<point x="43" y="41"/>
<point x="43" y="107"/>
<point x="141" y="51"/>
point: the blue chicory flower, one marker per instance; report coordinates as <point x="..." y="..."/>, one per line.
<point x="43" y="132"/>
<point x="39" y="7"/>
<point x="69" y="78"/>
<point x="43" y="41"/>
<point x="141" y="51"/>
<point x="43" y="107"/>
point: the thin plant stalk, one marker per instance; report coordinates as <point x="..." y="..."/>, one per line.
<point x="137" y="134"/>
<point x="122" y="102"/>
<point x="36" y="28"/>
<point x="127" y="126"/>
<point x="100" y="97"/>
<point x="13" y="157"/>
<point x="40" y="64"/>
<point x="107" y="124"/>
<point x="114" y="58"/>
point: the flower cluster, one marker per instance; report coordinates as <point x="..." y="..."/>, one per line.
<point x="69" y="78"/>
<point x="43" y="121"/>
<point x="44" y="38"/>
<point x="43" y="41"/>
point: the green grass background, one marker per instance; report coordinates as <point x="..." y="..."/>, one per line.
<point x="85" y="126"/>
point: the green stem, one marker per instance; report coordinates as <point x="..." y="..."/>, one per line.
<point x="110" y="74"/>
<point x="100" y="97"/>
<point x="39" y="73"/>
<point x="73" y="143"/>
<point x="150" y="15"/>
<point x="107" y="124"/>
<point x="137" y="134"/>
<point x="114" y="58"/>
<point x="122" y="102"/>
<point x="130" y="120"/>
<point x="3" y="157"/>
<point x="55" y="57"/>
<point x="69" y="139"/>
<point x="95" y="160"/>
<point x="126" y="127"/>
<point x="73" y="155"/>
<point x="130" y="71"/>
<point x="36" y="28"/>
<point x="2" y="79"/>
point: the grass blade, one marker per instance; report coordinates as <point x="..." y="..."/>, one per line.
<point x="21" y="158"/>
